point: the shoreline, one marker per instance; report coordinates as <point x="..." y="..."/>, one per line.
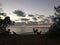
<point x="24" y="26"/>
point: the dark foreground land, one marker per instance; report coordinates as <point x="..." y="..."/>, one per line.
<point x="28" y="40"/>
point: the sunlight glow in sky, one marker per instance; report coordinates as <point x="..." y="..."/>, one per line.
<point x="41" y="7"/>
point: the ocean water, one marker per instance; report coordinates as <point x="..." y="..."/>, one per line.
<point x="20" y="30"/>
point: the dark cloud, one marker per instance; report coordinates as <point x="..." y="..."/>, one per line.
<point x="40" y="16"/>
<point x="3" y="14"/>
<point x="24" y="19"/>
<point x="34" y="18"/>
<point x="19" y="13"/>
<point x="31" y="15"/>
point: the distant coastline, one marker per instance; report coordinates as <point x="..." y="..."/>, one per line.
<point x="34" y="26"/>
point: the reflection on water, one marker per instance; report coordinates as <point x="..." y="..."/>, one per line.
<point x="20" y="30"/>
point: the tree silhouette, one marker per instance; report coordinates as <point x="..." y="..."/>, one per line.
<point x="4" y="23"/>
<point x="55" y="28"/>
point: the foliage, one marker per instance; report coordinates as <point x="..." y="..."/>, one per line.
<point x="4" y="23"/>
<point x="55" y="28"/>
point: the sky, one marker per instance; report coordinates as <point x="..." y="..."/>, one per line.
<point x="41" y="7"/>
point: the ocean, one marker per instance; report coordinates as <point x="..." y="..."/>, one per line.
<point x="23" y="30"/>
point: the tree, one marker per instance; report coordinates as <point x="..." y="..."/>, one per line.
<point x="55" y="28"/>
<point x="4" y="23"/>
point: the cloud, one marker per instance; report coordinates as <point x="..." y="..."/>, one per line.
<point x="34" y="18"/>
<point x="24" y="19"/>
<point x="3" y="14"/>
<point x="31" y="15"/>
<point x="19" y="13"/>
